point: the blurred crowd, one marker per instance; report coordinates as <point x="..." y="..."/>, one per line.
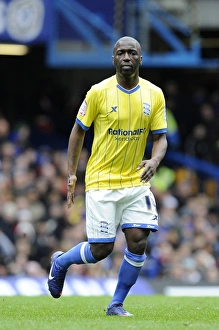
<point x="35" y="220"/>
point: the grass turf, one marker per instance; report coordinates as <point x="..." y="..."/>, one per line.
<point x="83" y="313"/>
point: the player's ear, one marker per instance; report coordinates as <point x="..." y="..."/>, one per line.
<point x="113" y="59"/>
<point x="141" y="61"/>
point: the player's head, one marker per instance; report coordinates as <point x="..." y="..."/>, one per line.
<point x="127" y="56"/>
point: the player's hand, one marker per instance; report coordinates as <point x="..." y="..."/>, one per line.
<point x="71" y="189"/>
<point x="150" y="167"/>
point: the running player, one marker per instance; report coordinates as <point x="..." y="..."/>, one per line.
<point x="123" y="108"/>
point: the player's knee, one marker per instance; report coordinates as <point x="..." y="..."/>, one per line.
<point x="101" y="250"/>
<point x="137" y="247"/>
<point x="136" y="240"/>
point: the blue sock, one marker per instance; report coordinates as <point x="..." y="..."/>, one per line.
<point x="80" y="254"/>
<point x="128" y="274"/>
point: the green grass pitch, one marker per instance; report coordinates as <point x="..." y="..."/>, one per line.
<point x="87" y="313"/>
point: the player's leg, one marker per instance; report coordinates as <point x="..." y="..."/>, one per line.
<point x="139" y="217"/>
<point x="130" y="269"/>
<point x="101" y="233"/>
<point x="80" y="254"/>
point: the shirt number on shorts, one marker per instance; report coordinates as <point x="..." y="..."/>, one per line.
<point x="148" y="202"/>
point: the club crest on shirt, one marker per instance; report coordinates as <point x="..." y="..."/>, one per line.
<point x="146" y="108"/>
<point x="83" y="108"/>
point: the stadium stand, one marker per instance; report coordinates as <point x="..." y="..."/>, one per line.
<point x="38" y="104"/>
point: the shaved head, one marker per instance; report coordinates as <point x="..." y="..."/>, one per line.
<point x="127" y="59"/>
<point x="129" y="40"/>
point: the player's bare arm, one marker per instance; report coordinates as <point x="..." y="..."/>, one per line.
<point x="158" y="153"/>
<point x="74" y="150"/>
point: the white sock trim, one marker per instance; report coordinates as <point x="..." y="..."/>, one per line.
<point x="133" y="263"/>
<point x="82" y="252"/>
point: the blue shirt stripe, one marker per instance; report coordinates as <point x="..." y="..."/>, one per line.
<point x="86" y="128"/>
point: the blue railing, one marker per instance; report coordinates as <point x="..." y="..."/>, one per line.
<point x="200" y="166"/>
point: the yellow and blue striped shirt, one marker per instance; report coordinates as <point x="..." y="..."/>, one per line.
<point x="122" y="121"/>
